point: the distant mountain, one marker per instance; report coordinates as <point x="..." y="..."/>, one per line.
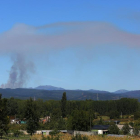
<point x="55" y="93"/>
<point x="24" y="93"/>
<point x="121" y="91"/>
<point x="49" y="87"/>
<point x="131" y="94"/>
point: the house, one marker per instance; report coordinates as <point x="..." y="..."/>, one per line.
<point x="46" y="119"/>
<point x="100" y="129"/>
<point x="47" y="132"/>
<point x="22" y="122"/>
<point x="16" y="121"/>
<point x="116" y="122"/>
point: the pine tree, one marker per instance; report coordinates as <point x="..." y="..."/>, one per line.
<point x="64" y="105"/>
<point x="31" y="115"/>
<point x="4" y="119"/>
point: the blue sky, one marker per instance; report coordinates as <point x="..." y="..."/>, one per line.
<point x="82" y="44"/>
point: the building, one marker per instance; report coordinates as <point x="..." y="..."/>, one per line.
<point x="100" y="129"/>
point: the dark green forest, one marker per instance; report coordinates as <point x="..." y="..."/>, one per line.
<point x="45" y="108"/>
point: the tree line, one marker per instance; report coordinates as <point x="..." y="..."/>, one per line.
<point x="125" y="106"/>
<point x="73" y="115"/>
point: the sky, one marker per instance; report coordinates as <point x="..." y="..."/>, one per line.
<point x="76" y="44"/>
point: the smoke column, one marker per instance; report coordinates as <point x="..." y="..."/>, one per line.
<point x="19" y="72"/>
<point x="23" y="39"/>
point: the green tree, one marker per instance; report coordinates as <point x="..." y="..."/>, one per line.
<point x="4" y="119"/>
<point x="64" y="105"/>
<point x="56" y="121"/>
<point x="114" y="114"/>
<point x="42" y="110"/>
<point x="137" y="115"/>
<point x="136" y="127"/>
<point x="80" y="120"/>
<point x="31" y="115"/>
<point x="21" y="108"/>
<point x="127" y="105"/>
<point x="113" y="129"/>
<point x="12" y="106"/>
<point x="126" y="129"/>
<point x="136" y="130"/>
<point x="101" y="121"/>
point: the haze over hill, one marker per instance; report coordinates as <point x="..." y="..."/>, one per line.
<point x="121" y="91"/>
<point x="50" y="92"/>
<point x="98" y="91"/>
<point x="49" y="87"/>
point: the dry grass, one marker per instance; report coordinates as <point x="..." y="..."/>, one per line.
<point x="94" y="137"/>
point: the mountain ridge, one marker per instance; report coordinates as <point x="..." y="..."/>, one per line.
<point x="48" y="87"/>
<point x="48" y="92"/>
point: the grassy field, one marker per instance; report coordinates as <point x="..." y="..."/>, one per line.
<point x="104" y="118"/>
<point x="69" y="137"/>
<point x="27" y="137"/>
<point x="125" y="119"/>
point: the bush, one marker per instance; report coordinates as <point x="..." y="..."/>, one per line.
<point x="16" y="133"/>
<point x="131" y="124"/>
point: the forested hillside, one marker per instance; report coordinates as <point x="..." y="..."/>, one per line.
<point x="23" y="93"/>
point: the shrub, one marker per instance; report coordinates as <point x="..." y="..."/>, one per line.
<point x="16" y="133"/>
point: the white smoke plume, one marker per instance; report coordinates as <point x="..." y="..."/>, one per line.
<point x="24" y="39"/>
<point x="29" y="39"/>
<point x="19" y="72"/>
